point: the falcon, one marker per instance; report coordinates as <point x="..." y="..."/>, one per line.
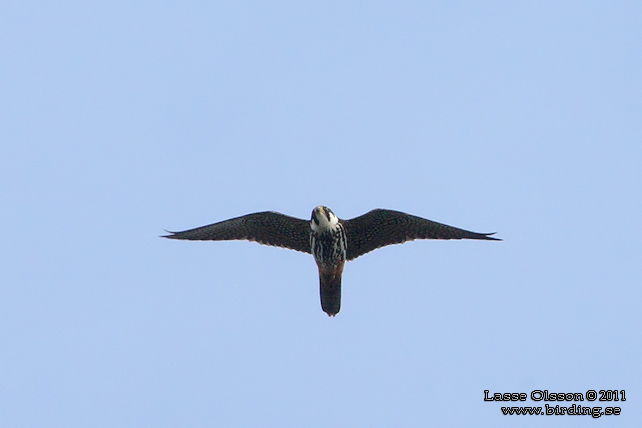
<point x="331" y="240"/>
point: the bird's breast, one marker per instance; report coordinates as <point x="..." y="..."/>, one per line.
<point x="330" y="247"/>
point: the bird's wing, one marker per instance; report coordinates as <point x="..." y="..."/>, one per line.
<point x="268" y="228"/>
<point x="379" y="228"/>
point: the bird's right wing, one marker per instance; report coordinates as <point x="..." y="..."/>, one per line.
<point x="268" y="228"/>
<point x="379" y="228"/>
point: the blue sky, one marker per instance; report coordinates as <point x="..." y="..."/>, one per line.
<point x="121" y="119"/>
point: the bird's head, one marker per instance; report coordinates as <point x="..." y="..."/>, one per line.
<point x="323" y="219"/>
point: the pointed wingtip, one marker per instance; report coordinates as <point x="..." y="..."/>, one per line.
<point x="170" y="236"/>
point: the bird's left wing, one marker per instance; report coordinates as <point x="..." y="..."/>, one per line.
<point x="268" y="228"/>
<point x="379" y="228"/>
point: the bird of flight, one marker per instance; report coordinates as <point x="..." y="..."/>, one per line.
<point x="331" y="240"/>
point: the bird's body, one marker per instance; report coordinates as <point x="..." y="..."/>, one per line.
<point x="329" y="245"/>
<point x="330" y="240"/>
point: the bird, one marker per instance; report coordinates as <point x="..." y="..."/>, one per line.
<point x="331" y="240"/>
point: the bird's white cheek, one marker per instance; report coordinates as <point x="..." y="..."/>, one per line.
<point x="334" y="220"/>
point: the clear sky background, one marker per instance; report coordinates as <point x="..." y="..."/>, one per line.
<point x="121" y="119"/>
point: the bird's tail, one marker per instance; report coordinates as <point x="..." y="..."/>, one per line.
<point x="330" y="287"/>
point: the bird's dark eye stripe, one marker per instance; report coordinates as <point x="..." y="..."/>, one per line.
<point x="327" y="214"/>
